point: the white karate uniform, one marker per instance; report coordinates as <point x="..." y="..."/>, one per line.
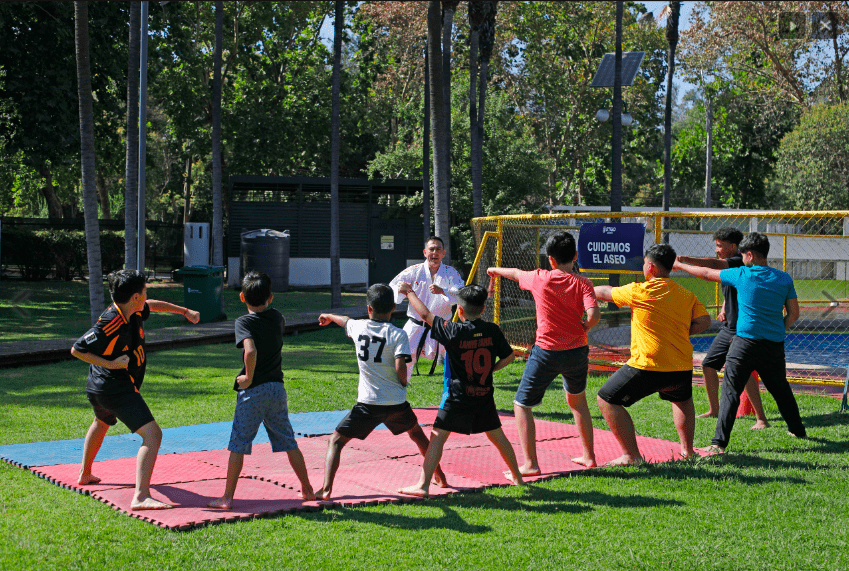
<point x="439" y="304"/>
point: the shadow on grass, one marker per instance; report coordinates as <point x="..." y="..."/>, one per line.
<point x="829" y="419"/>
<point x="699" y="469"/>
<point x="825" y="447"/>
<point x="535" y="499"/>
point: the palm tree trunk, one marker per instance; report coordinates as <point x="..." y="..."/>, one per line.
<point x="426" y="218"/>
<point x="708" y="151"/>
<point x="187" y="192"/>
<point x="448" y="10"/>
<point x="485" y="24"/>
<point x="132" y="162"/>
<point x="474" y="42"/>
<point x="335" y="271"/>
<point x="441" y="206"/>
<point x="672" y="41"/>
<point x="217" y="202"/>
<point x="92" y="227"/>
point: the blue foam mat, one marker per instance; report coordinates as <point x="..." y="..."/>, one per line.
<point x="194" y="438"/>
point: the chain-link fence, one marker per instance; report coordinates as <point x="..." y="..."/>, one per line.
<point x="813" y="247"/>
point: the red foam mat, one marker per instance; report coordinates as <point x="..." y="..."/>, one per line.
<point x="371" y="471"/>
<point x="169" y="469"/>
<point x="384" y="478"/>
<point x="254" y="498"/>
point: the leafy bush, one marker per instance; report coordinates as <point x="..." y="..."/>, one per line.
<point x="39" y="254"/>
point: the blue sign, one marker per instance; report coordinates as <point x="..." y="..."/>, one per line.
<point x="611" y="246"/>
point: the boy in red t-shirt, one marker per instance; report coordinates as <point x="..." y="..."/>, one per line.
<point x="560" y="348"/>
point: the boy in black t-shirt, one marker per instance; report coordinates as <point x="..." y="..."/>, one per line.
<point x="260" y="394"/>
<point x="727" y="240"/>
<point x="114" y="348"/>
<point x="474" y="350"/>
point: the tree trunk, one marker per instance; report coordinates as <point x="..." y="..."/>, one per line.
<point x="103" y="194"/>
<point x="476" y="161"/>
<point x="54" y="205"/>
<point x="92" y="227"/>
<point x="486" y="38"/>
<point x="131" y="188"/>
<point x="335" y="270"/>
<point x="672" y="43"/>
<point x="187" y="192"/>
<point x="448" y="10"/>
<point x="441" y="206"/>
<point x="426" y="217"/>
<point x="217" y="202"/>
<point x="708" y="150"/>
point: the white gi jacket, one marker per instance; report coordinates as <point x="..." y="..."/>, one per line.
<point x="439" y="304"/>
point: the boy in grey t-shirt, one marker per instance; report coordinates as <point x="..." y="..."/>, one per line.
<point x="383" y="352"/>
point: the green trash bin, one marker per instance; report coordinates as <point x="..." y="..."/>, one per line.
<point x="203" y="287"/>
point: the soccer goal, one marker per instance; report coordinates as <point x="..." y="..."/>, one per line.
<point x="813" y="247"/>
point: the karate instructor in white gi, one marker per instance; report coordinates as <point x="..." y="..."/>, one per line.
<point x="436" y="285"/>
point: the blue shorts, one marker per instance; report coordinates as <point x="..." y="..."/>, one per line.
<point x="544" y="365"/>
<point x="263" y="404"/>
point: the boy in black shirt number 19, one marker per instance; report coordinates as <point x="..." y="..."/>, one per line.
<point x="114" y="348"/>
<point x="474" y="350"/>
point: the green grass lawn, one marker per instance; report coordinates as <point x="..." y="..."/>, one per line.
<point x="773" y="502"/>
<point x="54" y="309"/>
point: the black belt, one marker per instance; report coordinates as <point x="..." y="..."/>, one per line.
<point x="422" y="342"/>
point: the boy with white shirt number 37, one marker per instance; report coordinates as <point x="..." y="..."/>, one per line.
<point x="382" y="355"/>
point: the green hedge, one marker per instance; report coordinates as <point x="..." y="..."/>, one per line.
<point x="60" y="254"/>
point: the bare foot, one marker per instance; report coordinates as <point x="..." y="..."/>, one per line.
<point x="307" y="494"/>
<point x="439" y="478"/>
<point x="713" y="449"/>
<point x="322" y="494"/>
<point x="221" y="503"/>
<point x="514" y="480"/>
<point x="527" y="470"/>
<point x="760" y="424"/>
<point x="625" y="460"/>
<point x="87" y="479"/>
<point x="416" y="491"/>
<point x="709" y="414"/>
<point x="687" y="455"/>
<point x="803" y="437"/>
<point x="588" y="462"/>
<point x="150" y="504"/>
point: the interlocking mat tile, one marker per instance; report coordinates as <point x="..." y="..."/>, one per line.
<point x="192" y="466"/>
<point x="254" y="498"/>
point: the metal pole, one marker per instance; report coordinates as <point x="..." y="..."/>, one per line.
<point x="142" y="135"/>
<point x="616" y="174"/>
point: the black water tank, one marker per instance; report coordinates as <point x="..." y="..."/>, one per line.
<point x="267" y="251"/>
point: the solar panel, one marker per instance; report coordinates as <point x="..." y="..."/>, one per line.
<point x="630" y="64"/>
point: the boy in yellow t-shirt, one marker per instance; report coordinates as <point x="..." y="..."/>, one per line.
<point x="664" y="315"/>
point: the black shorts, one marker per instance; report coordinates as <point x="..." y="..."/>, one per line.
<point x="129" y="408"/>
<point x="468" y="417"/>
<point x="628" y="385"/>
<point x="715" y="358"/>
<point x="364" y="418"/>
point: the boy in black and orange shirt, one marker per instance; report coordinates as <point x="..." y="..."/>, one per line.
<point x="474" y="350"/>
<point x="114" y="348"/>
